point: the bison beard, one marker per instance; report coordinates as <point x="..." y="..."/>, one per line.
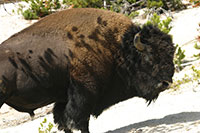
<point x="84" y="61"/>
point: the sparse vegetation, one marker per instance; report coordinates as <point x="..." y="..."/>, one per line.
<point x="39" y="8"/>
<point x="197" y="46"/>
<point x="177" y="83"/>
<point x="133" y="14"/>
<point x="196" y="73"/>
<point x="45" y="126"/>
<point x="173" y="5"/>
<point x="178" y="59"/>
<point x="154" y="3"/>
<point x="194" y="77"/>
<point x="85" y="3"/>
<point x="163" y="25"/>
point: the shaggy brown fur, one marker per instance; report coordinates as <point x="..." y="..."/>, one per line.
<point x="85" y="61"/>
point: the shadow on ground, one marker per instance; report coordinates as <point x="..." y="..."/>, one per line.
<point x="166" y="124"/>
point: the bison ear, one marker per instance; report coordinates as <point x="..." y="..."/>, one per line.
<point x="137" y="42"/>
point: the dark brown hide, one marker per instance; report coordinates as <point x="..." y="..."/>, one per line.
<point x="85" y="61"/>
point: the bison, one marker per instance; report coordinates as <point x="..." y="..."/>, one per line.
<point x="84" y="61"/>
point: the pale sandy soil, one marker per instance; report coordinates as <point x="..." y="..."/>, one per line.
<point x="173" y="112"/>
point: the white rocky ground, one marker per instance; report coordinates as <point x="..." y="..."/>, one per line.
<point x="173" y="112"/>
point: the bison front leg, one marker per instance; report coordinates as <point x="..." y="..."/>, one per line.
<point x="59" y="118"/>
<point x="76" y="112"/>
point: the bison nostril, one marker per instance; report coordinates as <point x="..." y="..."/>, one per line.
<point x="165" y="83"/>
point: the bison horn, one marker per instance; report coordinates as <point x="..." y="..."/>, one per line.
<point x="137" y="42"/>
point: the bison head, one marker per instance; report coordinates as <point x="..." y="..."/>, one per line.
<point x="154" y="68"/>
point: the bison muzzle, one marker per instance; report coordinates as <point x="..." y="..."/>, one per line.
<point x="84" y="61"/>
